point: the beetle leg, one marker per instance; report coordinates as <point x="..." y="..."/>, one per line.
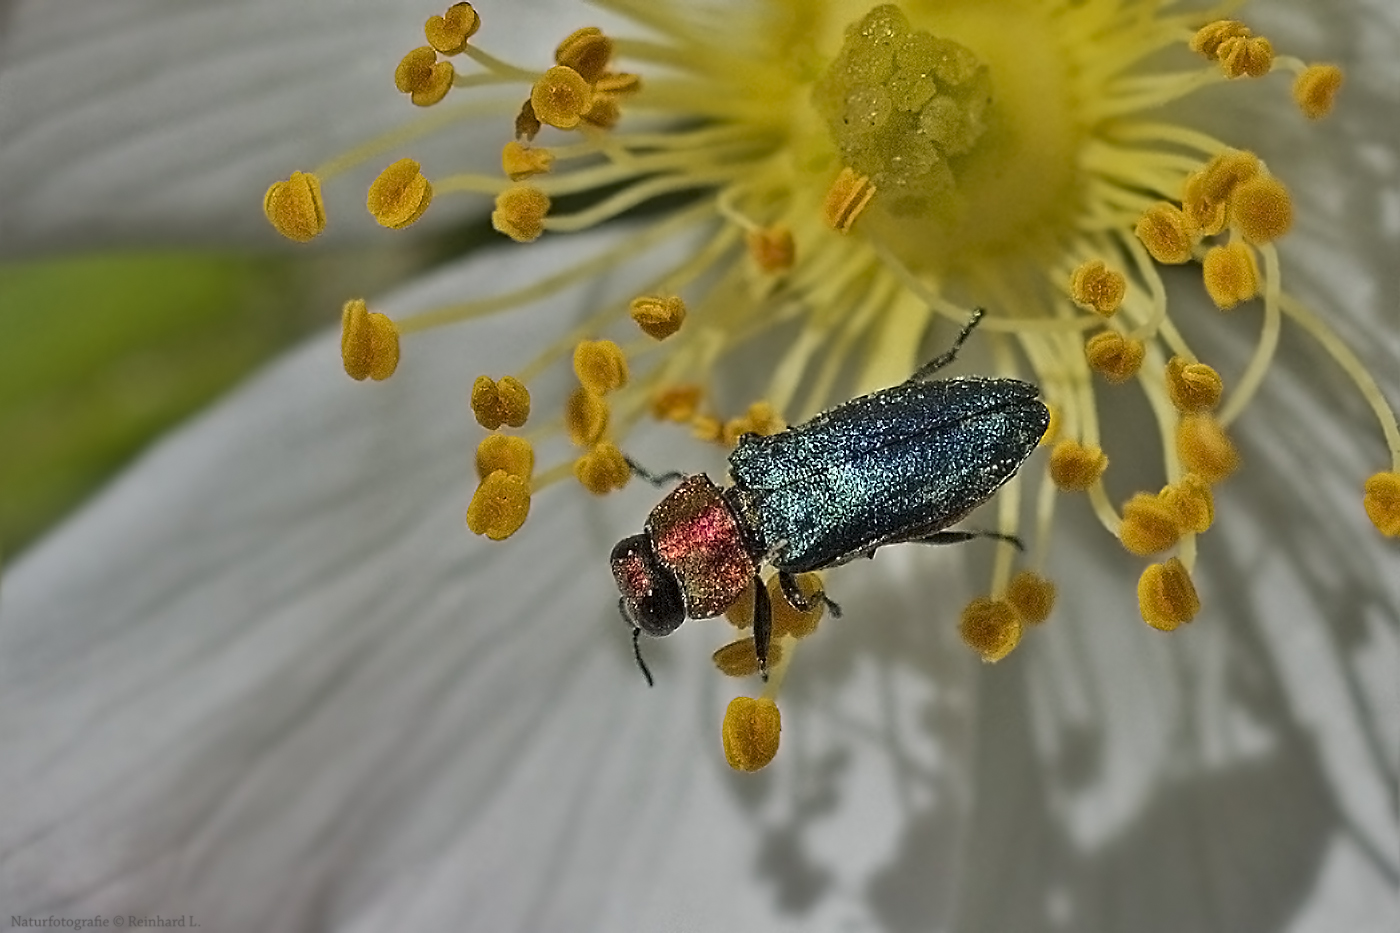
<point x="656" y="479"/>
<point x="799" y="600"/>
<point x="762" y="624"/>
<point x="950" y="354"/>
<point x="636" y="641"/>
<point x="958" y="537"/>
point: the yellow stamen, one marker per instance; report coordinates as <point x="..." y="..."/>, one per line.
<point x="1204" y="448"/>
<point x="514" y="455"/>
<point x="618" y="84"/>
<point x="602" y="469"/>
<point x="1075" y="467"/>
<point x="400" y="195"/>
<point x="587" y="52"/>
<point x="1208" y="38"/>
<point x="1032" y="596"/>
<point x="772" y="249"/>
<point x="1245" y="56"/>
<point x="1382" y="502"/>
<point x="787" y="620"/>
<point x="1315" y="90"/>
<point x="520" y="213"/>
<point x="586" y="417"/>
<point x="1192" y="387"/>
<point x="1206" y="194"/>
<point x="1231" y="274"/>
<point x="1097" y="287"/>
<point x="496" y="403"/>
<point x="1052" y="430"/>
<point x="740" y="612"/>
<point x="707" y="428"/>
<point x="527" y="125"/>
<point x="990" y="627"/>
<point x="449" y="33"/>
<point x="1192" y="501"/>
<point x="499" y="506"/>
<point x="294" y="207"/>
<point x="740" y="658"/>
<point x="369" y="342"/>
<point x="561" y="97"/>
<point x="1166" y="596"/>
<point x="1113" y="356"/>
<point x="761" y="418"/>
<point x="1149" y="525"/>
<point x="676" y="403"/>
<point x="600" y="366"/>
<point x="846" y="200"/>
<point x="1262" y="209"/>
<point x="750" y="732"/>
<point x="522" y="162"/>
<point x="659" y="316"/>
<point x="423" y="78"/>
<point x="1166" y="232"/>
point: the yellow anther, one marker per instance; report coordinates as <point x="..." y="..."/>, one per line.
<point x="787" y="619"/>
<point x="400" y="195"/>
<point x="1075" y="467"/>
<point x="505" y="452"/>
<point x="1192" y="501"/>
<point x="294" y="207"/>
<point x="449" y="32"/>
<point x="1032" y="596"/>
<point x="1382" y="502"/>
<point x="1052" y="430"/>
<point x="1315" y="90"/>
<point x="1204" y="448"/>
<point x="659" y="316"/>
<point x="422" y="77"/>
<point x="604" y="113"/>
<point x="1231" y="274"/>
<point x="1113" y="356"/>
<point x="1192" y="387"/>
<point x="520" y="213"/>
<point x="600" y="366"/>
<point x="499" y="506"/>
<point x="772" y="249"/>
<point x="522" y="162"/>
<point x="1166" y="595"/>
<point x="846" y="199"/>
<point x="740" y="612"/>
<point x="369" y="342"/>
<point x="587" y="52"/>
<point x="1166" y="232"/>
<point x="707" y="428"/>
<point x="1206" y="194"/>
<point x="1207" y="39"/>
<point x="990" y="627"/>
<point x="740" y="658"/>
<point x="586" y="416"/>
<point x="1149" y="525"/>
<point x="676" y="403"/>
<point x="761" y="418"/>
<point x="1262" y="209"/>
<point x="1094" y="285"/>
<point x="618" y="84"/>
<point x="750" y="733"/>
<point x="496" y="403"/>
<point x="527" y="125"/>
<point x="1245" y="56"/>
<point x="602" y="469"/>
<point x="561" y="97"/>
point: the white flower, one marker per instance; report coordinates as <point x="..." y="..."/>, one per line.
<point x="268" y="681"/>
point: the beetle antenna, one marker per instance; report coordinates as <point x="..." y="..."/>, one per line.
<point x="656" y="479"/>
<point x="637" y="653"/>
<point x="950" y="354"/>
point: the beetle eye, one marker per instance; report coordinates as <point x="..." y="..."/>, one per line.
<point x="649" y="591"/>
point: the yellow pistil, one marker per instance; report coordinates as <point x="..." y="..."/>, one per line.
<point x="1191" y="501"/>
<point x="772" y="249"/>
<point x="586" y="52"/>
<point x="740" y="658"/>
<point x="521" y="162"/>
<point x="1204" y="448"/>
<point x="1382" y="502"/>
<point x="1113" y="356"/>
<point x="1075" y="467"/>
<point x="1231" y="274"/>
<point x="1097" y="287"/>
<point x="1032" y="596"/>
<point x="369" y="342"/>
<point x="750" y="732"/>
<point x="448" y="33"/>
<point x="602" y="469"/>
<point x="1261" y="208"/>
<point x="400" y="195"/>
<point x="520" y="213"/>
<point x="1167" y="233"/>
<point x="600" y="366"/>
<point x="1192" y="387"/>
<point x="1150" y="525"/>
<point x="586" y="417"/>
<point x="513" y="455"/>
<point x="991" y="627"/>
<point x="846" y="200"/>
<point x="561" y="97"/>
<point x="423" y="78"/>
<point x="1166" y="596"/>
<point x="659" y="316"/>
<point x="1315" y="90"/>
<point x="499" y="506"/>
<point x="294" y="207"/>
<point x="496" y="403"/>
<point x="676" y="403"/>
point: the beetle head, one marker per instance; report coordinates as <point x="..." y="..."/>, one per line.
<point x="651" y="596"/>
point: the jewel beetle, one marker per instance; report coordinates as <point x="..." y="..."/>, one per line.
<point x="898" y="465"/>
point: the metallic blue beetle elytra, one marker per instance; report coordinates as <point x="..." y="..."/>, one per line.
<point x="898" y="465"/>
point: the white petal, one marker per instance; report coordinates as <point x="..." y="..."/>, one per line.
<point x="152" y="121"/>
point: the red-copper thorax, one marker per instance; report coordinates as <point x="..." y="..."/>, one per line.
<point x="697" y="536"/>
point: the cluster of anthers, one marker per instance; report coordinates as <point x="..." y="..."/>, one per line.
<point x="848" y="171"/>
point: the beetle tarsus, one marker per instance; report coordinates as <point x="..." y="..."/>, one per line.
<point x="762" y="625"/>
<point x="637" y="653"/>
<point x="958" y="537"/>
<point x="800" y="601"/>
